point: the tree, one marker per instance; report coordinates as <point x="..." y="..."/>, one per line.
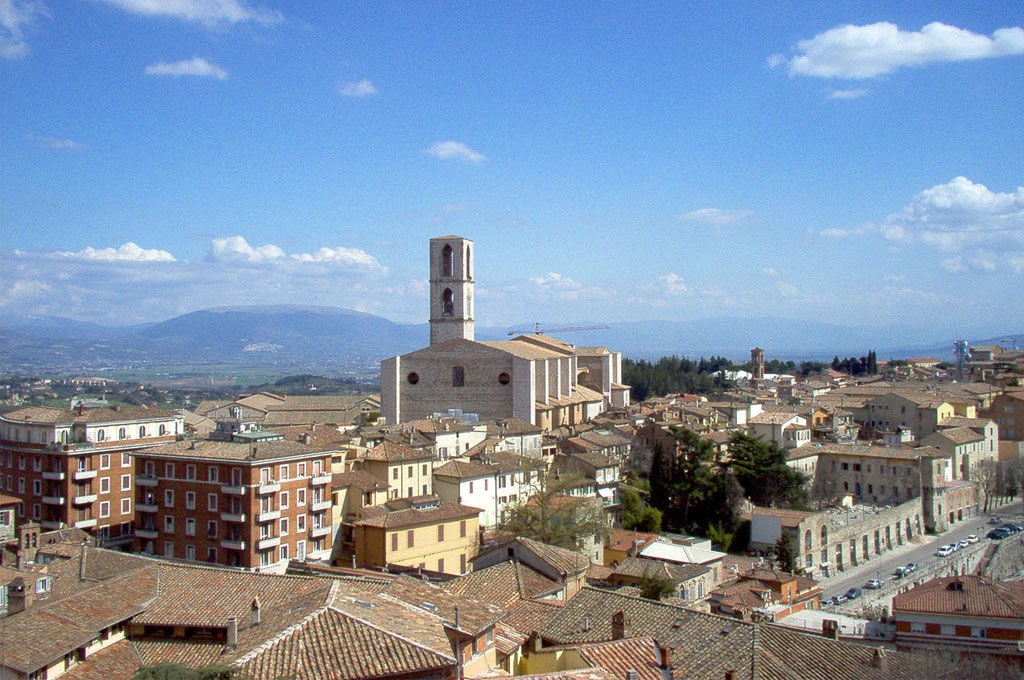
<point x="654" y="585"/>
<point x="785" y="553"/>
<point x="635" y="515"/>
<point x="552" y="515"/>
<point x="986" y="474"/>
<point x="761" y="469"/>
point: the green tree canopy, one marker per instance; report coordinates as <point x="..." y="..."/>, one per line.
<point x="552" y="515"/>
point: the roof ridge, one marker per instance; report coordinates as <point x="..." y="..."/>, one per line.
<point x="281" y="635"/>
<point x="392" y="633"/>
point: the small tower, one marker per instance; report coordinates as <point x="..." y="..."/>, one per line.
<point x="757" y="365"/>
<point x="451" y="289"/>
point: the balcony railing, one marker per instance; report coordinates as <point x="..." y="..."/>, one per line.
<point x="85" y="523"/>
<point x="54" y="475"/>
<point x="268" y="543"/>
<point x="233" y="489"/>
<point x="320" y="480"/>
<point x="146" y="480"/>
<point x="317" y="532"/>
<point x="53" y="500"/>
<point x="268" y="516"/>
<point x="232" y="516"/>
<point x="150" y="533"/>
<point x="263" y="488"/>
<point x="84" y="499"/>
<point x="82" y="475"/>
<point x="233" y="544"/>
<point x="320" y="506"/>
<point x="146" y="507"/>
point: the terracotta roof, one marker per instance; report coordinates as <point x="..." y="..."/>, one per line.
<point x="639" y="567"/>
<point x="460" y="469"/>
<point x="391" y="451"/>
<point x="360" y="479"/>
<point x="399" y="513"/>
<point x="623" y="539"/>
<point x="968" y="595"/>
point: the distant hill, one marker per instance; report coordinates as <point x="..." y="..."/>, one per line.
<point x="331" y="341"/>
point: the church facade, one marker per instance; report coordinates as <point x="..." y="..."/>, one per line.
<point x="542" y="380"/>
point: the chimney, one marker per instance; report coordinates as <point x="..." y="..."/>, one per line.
<point x="232" y="632"/>
<point x="730" y="674"/>
<point x="18" y="596"/>
<point x="254" y="619"/>
<point x="619" y="623"/>
<point x="631" y="674"/>
<point x="665" y="655"/>
<point x="830" y="629"/>
<point x="879" y="661"/>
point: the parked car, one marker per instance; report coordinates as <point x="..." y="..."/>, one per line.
<point x="995" y="520"/>
<point x="998" y="534"/>
<point x="854" y="593"/>
<point x="962" y="543"/>
<point x="944" y="551"/>
<point x="874" y="583"/>
<point x="910" y="566"/>
<point x="973" y="538"/>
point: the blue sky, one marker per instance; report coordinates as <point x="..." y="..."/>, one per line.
<point x="850" y="162"/>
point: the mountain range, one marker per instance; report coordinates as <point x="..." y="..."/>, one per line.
<point x="336" y="341"/>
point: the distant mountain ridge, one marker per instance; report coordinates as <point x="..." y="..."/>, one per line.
<point x="292" y="338"/>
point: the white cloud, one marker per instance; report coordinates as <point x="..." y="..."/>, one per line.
<point x="362" y="88"/>
<point x="456" y="151"/>
<point x="965" y="220"/>
<point x="847" y="94"/>
<point x="837" y="232"/>
<point x="555" y="281"/>
<point x="196" y="66"/>
<point x="858" y="52"/>
<point x="15" y="15"/>
<point x="716" y="216"/>
<point x="237" y="249"/>
<point x="206" y="12"/>
<point x="57" y="143"/>
<point x="129" y="252"/>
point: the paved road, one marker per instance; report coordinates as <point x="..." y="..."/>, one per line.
<point x="921" y="550"/>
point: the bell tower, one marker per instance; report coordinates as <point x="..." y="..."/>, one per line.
<point x="451" y="289"/>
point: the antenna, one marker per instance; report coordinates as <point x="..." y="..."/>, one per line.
<point x="537" y="330"/>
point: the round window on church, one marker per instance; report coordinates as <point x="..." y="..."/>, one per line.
<point x="504" y="378"/>
<point x="413" y="378"/>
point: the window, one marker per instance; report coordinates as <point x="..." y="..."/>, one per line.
<point x="105" y="509"/>
<point x="126" y="459"/>
<point x="284" y="500"/>
<point x="300" y="469"/>
<point x="424" y="470"/>
<point x="169" y="498"/>
<point x="447" y="302"/>
<point x="300" y="497"/>
<point x="394" y="541"/>
<point x="101" y="435"/>
<point x="169" y="470"/>
<point x="37" y="487"/>
<point x="394" y="473"/>
<point x="126" y="482"/>
<point x="162" y="429"/>
<point x="413" y="378"/>
<point x="458" y="376"/>
<point x="190" y="500"/>
<point x="284" y="552"/>
<point x="410" y="538"/>
<point x="282" y="472"/>
<point x="504" y="378"/>
<point x="190" y="552"/>
<point x="462" y="529"/>
<point x="440" y="565"/>
<point x="284" y="526"/>
<point x="211" y="554"/>
<point x="169" y="523"/>
<point x="142" y="431"/>
<point x="37" y="463"/>
<point x="126" y="506"/>
<point x="213" y="473"/>
<point x="212" y="502"/>
<point x="190" y="526"/>
<point x="300" y="523"/>
<point x="300" y="550"/>
<point x="122" y="433"/>
<point x="104" y="461"/>
<point x="211" y="528"/>
<point x="168" y="549"/>
<point x="190" y="471"/>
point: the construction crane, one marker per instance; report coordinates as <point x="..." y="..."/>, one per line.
<point x="537" y="330"/>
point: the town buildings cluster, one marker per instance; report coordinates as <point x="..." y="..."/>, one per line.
<point x="360" y="537"/>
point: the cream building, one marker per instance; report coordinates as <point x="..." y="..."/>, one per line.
<point x="541" y="380"/>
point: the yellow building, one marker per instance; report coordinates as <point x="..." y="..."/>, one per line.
<point x="423" y="532"/>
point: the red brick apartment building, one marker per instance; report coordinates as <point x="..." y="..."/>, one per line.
<point x="73" y="468"/>
<point x="254" y="502"/>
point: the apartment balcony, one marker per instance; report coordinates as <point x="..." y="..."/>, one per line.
<point x="268" y="516"/>
<point x="85" y="523"/>
<point x="233" y="490"/>
<point x="320" y="480"/>
<point x="83" y="475"/>
<point x="146" y="533"/>
<point x="54" y="475"/>
<point x="232" y="516"/>
<point x="146" y="480"/>
<point x="268" y="543"/>
<point x="146" y="507"/>
<point x="84" y="499"/>
<point x="264" y="488"/>
<point x="320" y="506"/>
<point x="232" y="544"/>
<point x="54" y="500"/>
<point x="317" y="532"/>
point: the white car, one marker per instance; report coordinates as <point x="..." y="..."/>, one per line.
<point x="972" y="539"/>
<point x="944" y="551"/>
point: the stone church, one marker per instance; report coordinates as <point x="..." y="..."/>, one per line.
<point x="544" y="381"/>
